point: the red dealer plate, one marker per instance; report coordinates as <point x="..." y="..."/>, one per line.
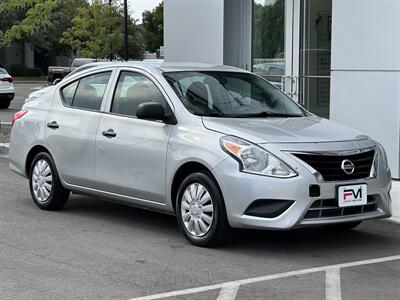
<point x="352" y="195"/>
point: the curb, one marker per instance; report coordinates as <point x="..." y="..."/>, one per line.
<point x="395" y="194"/>
<point x="394" y="220"/>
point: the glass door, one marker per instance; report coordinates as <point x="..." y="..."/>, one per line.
<point x="268" y="46"/>
<point x="291" y="47"/>
<point x="315" y="55"/>
<point x="275" y="42"/>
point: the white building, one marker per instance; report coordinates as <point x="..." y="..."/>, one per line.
<point x="340" y="58"/>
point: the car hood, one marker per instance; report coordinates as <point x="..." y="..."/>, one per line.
<point x="283" y="130"/>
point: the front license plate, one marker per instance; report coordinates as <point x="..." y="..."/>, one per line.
<point x="352" y="195"/>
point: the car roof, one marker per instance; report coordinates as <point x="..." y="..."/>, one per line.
<point x="166" y="66"/>
<point x="190" y="66"/>
<point x="159" y="66"/>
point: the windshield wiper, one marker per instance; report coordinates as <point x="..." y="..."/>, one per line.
<point x="265" y="114"/>
<point x="262" y="114"/>
<point x="211" y="114"/>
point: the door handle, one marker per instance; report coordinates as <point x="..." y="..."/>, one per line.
<point x="283" y="84"/>
<point x="53" y="125"/>
<point x="109" y="133"/>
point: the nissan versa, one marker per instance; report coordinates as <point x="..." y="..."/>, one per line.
<point x="217" y="146"/>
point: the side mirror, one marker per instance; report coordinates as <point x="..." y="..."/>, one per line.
<point x="56" y="81"/>
<point x="154" y="111"/>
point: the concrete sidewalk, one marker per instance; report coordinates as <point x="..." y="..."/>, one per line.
<point x="395" y="193"/>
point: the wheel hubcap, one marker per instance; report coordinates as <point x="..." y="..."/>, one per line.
<point x="197" y="209"/>
<point x="42" y="180"/>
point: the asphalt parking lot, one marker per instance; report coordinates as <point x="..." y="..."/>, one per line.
<point x="95" y="249"/>
<point x="22" y="90"/>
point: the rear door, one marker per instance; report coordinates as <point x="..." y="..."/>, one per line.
<point x="131" y="161"/>
<point x="72" y="124"/>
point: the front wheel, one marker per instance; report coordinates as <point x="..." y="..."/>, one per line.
<point x="45" y="185"/>
<point x="200" y="210"/>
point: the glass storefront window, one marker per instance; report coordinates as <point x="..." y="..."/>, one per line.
<point x="269" y="39"/>
<point x="315" y="55"/>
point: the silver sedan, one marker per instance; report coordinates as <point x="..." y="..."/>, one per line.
<point x="217" y="146"/>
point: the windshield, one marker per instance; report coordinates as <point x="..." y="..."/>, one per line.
<point x="231" y="94"/>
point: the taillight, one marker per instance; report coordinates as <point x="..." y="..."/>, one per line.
<point x="18" y="115"/>
<point x="9" y="79"/>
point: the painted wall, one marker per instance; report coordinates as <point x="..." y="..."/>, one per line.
<point x="365" y="85"/>
<point x="194" y="30"/>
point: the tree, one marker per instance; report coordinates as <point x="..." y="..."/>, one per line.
<point x="36" y="17"/>
<point x="97" y="31"/>
<point x="61" y="17"/>
<point x="153" y="25"/>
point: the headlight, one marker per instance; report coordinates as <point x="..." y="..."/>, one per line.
<point x="382" y="156"/>
<point x="254" y="159"/>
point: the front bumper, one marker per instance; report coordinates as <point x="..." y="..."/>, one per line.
<point x="240" y="190"/>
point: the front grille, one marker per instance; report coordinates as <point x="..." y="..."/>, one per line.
<point x="329" y="166"/>
<point x="326" y="208"/>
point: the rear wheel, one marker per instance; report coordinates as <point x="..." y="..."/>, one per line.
<point x="201" y="211"/>
<point x="5" y="103"/>
<point x="342" y="226"/>
<point x="45" y="186"/>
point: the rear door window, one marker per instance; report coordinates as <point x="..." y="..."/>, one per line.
<point x="88" y="92"/>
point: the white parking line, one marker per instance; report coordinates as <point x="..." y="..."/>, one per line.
<point x="333" y="290"/>
<point x="237" y="283"/>
<point x="228" y="293"/>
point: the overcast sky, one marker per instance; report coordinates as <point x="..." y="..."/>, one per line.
<point x="137" y="7"/>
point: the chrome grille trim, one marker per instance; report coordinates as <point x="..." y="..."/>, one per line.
<point x="326" y="165"/>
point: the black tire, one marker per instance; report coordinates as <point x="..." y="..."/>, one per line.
<point x="5" y="103"/>
<point x="219" y="229"/>
<point x="58" y="194"/>
<point x="342" y="226"/>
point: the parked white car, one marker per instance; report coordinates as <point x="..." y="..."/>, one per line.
<point x="7" y="91"/>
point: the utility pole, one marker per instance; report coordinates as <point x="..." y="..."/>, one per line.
<point x="111" y="56"/>
<point x="126" y="30"/>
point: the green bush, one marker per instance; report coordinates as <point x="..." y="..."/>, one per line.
<point x="34" y="72"/>
<point x="17" y="70"/>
